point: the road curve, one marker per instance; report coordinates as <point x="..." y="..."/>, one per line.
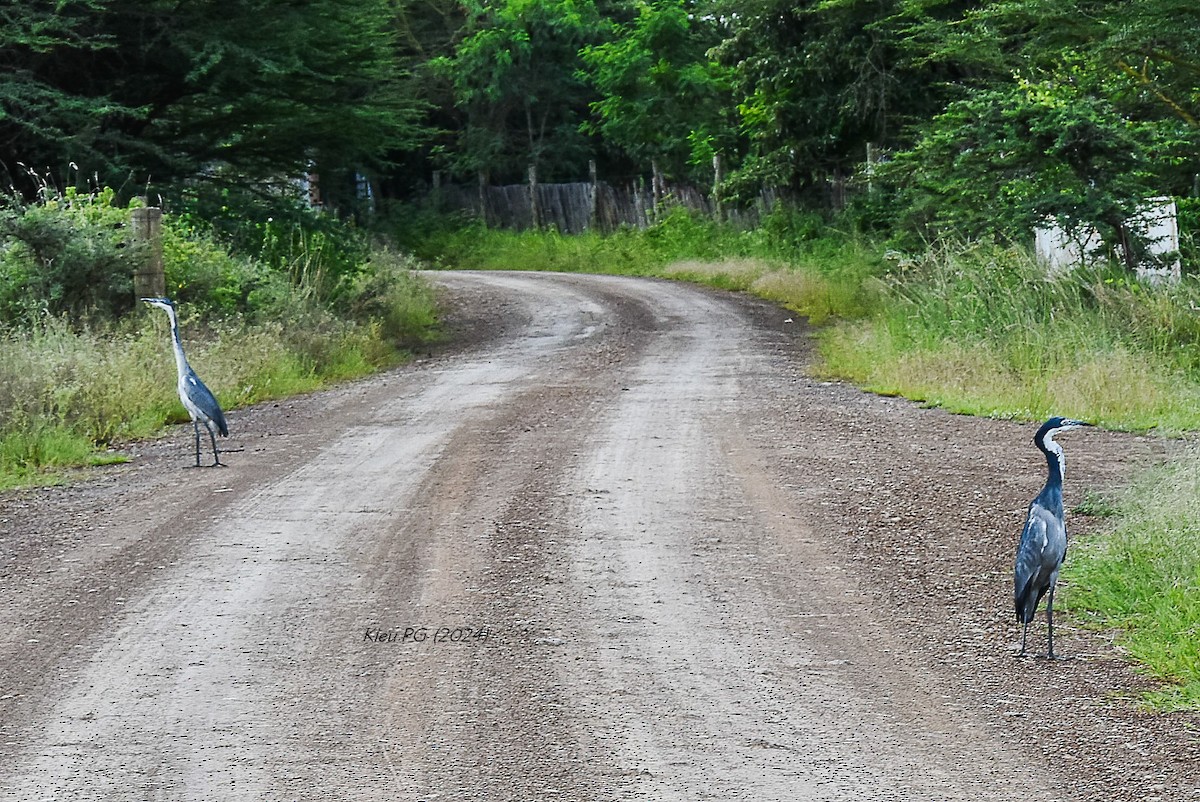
<point x="606" y="552"/>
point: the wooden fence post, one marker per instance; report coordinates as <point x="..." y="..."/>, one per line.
<point x="145" y="226"/>
<point x="534" y="215"/>
<point x="656" y="188"/>
<point x="593" y="194"/>
<point x="718" y="212"/>
<point x="872" y="160"/>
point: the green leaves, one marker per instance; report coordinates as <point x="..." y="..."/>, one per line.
<point x="818" y="81"/>
<point x="514" y="78"/>
<point x="1003" y="161"/>
<point x="1076" y="112"/>
<point x="67" y="255"/>
<point x="662" y="98"/>
<point x="167" y="90"/>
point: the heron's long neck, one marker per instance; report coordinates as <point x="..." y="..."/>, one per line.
<point x="1056" y="466"/>
<point x="181" y="363"/>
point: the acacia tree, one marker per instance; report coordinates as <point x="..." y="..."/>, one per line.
<point x="1002" y="161"/>
<point x="1077" y="111"/>
<point x="1144" y="54"/>
<point x="662" y="98"/>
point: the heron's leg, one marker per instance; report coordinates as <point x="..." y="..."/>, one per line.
<point x="196" y="428"/>
<point x="1024" y="632"/>
<point x="216" y="451"/>
<point x="1050" y="622"/>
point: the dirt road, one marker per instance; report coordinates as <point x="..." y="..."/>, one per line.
<point x="614" y="544"/>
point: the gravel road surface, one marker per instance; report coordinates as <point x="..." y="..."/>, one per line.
<point x="610" y="543"/>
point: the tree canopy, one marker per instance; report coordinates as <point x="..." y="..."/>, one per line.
<point x="995" y="114"/>
<point x="162" y="90"/>
<point x="661" y="99"/>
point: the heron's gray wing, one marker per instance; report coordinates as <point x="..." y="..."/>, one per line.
<point x="1035" y="561"/>
<point x="206" y="402"/>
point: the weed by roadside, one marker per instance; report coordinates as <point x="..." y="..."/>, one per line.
<point x="67" y="392"/>
<point x="983" y="330"/>
<point x="1141" y="577"/>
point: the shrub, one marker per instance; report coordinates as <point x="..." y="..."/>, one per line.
<point x="66" y="254"/>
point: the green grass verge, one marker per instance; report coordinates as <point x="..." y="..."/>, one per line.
<point x="69" y="393"/>
<point x="1142" y="579"/>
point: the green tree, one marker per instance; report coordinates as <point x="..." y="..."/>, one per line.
<point x="1075" y="111"/>
<point x="819" y="80"/>
<point x="516" y="79"/>
<point x="662" y="98"/>
<point x="1002" y="161"/>
<point x="1146" y="54"/>
<point x="46" y="119"/>
<point x="166" y="90"/>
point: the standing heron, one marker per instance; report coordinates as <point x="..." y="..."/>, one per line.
<point x="197" y="399"/>
<point x="1044" y="540"/>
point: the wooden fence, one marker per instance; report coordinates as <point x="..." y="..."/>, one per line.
<point x="581" y="206"/>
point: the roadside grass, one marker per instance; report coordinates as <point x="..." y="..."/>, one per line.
<point x="68" y="393"/>
<point x="1115" y="388"/>
<point x="982" y="330"/>
<point x="475" y="247"/>
<point x="1142" y="579"/>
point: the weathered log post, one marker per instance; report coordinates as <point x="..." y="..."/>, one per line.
<point x="718" y="177"/>
<point x="534" y="212"/>
<point x="145" y="231"/>
<point x="872" y="161"/>
<point x="593" y="195"/>
<point x="656" y="188"/>
<point x="639" y="203"/>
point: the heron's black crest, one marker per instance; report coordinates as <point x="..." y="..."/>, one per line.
<point x="1054" y="426"/>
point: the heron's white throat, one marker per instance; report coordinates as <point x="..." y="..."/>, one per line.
<point x="1057" y="450"/>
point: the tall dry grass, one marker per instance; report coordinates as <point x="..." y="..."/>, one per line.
<point x="66" y="391"/>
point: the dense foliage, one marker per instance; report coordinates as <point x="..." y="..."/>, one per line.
<point x="162" y="92"/>
<point x="78" y="370"/>
<point x="994" y="115"/>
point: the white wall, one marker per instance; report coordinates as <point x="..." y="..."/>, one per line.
<point x="1156" y="222"/>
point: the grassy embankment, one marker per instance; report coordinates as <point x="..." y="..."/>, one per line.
<point x="979" y="330"/>
<point x="74" y="384"/>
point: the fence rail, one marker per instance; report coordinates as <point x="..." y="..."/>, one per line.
<point x="581" y="206"/>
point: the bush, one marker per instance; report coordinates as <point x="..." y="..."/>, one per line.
<point x="67" y="255"/>
<point x="281" y="234"/>
<point x="386" y="291"/>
